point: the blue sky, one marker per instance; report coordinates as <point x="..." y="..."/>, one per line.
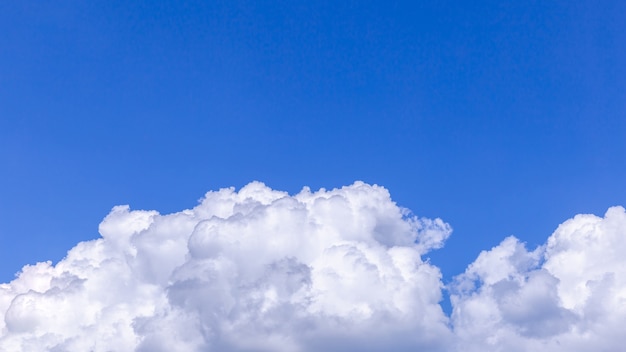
<point x="500" y="118"/>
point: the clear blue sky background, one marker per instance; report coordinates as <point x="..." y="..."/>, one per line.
<point x="499" y="117"/>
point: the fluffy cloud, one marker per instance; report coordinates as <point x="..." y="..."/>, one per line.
<point x="260" y="270"/>
<point x="254" y="270"/>
<point x="567" y="295"/>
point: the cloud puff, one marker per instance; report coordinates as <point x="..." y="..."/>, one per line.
<point x="567" y="295"/>
<point x="260" y="270"/>
<point x="254" y="270"/>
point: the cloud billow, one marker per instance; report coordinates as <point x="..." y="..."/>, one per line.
<point x="250" y="270"/>
<point x="567" y="295"/>
<point x="334" y="270"/>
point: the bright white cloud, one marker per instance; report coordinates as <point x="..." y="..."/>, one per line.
<point x="260" y="270"/>
<point x="254" y="270"/>
<point x="568" y="295"/>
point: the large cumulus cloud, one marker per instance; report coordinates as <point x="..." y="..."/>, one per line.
<point x="338" y="270"/>
<point x="254" y="270"/>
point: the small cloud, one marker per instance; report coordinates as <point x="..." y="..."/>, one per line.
<point x="568" y="295"/>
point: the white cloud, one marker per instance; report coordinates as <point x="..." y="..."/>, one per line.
<point x="252" y="270"/>
<point x="260" y="270"/>
<point x="568" y="295"/>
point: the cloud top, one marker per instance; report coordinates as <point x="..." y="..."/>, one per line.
<point x="334" y="270"/>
